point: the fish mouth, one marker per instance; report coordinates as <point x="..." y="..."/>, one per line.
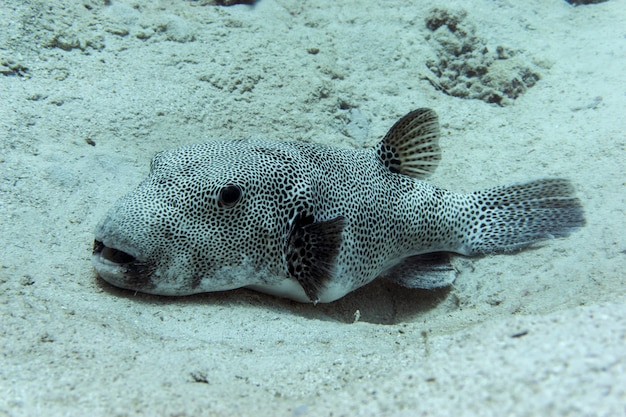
<point x="120" y="268"/>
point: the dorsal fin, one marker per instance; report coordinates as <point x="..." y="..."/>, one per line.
<point x="312" y="250"/>
<point x="411" y="147"/>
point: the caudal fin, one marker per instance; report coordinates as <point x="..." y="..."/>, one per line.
<point x="512" y="217"/>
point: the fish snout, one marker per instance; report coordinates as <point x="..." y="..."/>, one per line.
<point x="120" y="268"/>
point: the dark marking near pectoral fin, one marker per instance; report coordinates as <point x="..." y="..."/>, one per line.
<point x="427" y="271"/>
<point x="312" y="251"/>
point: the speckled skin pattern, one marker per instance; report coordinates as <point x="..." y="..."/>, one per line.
<point x="305" y="221"/>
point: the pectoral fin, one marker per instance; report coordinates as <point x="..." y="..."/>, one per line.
<point x="311" y="252"/>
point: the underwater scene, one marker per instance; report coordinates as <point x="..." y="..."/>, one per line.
<point x="312" y="208"/>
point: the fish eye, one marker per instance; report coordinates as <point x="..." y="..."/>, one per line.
<point x="229" y="196"/>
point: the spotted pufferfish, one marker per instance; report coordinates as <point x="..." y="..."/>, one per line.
<point x="313" y="223"/>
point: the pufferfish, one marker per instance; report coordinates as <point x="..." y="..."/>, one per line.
<point x="313" y="223"/>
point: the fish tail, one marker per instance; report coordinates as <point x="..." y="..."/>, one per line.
<point x="509" y="218"/>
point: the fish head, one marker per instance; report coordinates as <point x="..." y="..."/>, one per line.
<point x="208" y="217"/>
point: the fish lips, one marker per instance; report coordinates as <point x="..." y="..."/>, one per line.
<point x="121" y="269"/>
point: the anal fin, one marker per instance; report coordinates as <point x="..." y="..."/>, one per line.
<point x="312" y="250"/>
<point x="427" y="271"/>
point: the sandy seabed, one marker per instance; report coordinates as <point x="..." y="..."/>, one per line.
<point x="90" y="90"/>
